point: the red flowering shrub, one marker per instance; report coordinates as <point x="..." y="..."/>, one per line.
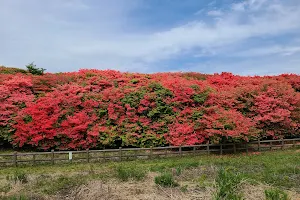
<point x="15" y="94"/>
<point x="96" y="109"/>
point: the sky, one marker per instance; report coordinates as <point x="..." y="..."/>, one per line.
<point x="246" y="37"/>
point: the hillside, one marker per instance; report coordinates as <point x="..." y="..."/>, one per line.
<point x="106" y="108"/>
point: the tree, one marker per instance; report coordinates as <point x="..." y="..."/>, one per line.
<point x="31" y="67"/>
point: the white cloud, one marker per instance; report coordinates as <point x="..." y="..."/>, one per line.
<point x="270" y="50"/>
<point x="215" y="13"/>
<point x="85" y="34"/>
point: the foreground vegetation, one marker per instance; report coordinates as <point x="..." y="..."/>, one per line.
<point x="269" y="175"/>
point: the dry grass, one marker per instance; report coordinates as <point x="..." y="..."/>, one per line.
<point x="114" y="190"/>
<point x="257" y="192"/>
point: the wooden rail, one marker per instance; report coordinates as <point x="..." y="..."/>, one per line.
<point x="55" y="157"/>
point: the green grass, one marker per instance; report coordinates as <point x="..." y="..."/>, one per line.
<point x="280" y="169"/>
<point x="165" y="180"/>
<point x="276" y="194"/>
<point x="125" y="173"/>
<point x="227" y="183"/>
<point x="60" y="184"/>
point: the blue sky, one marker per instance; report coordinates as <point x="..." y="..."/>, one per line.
<point x="247" y="37"/>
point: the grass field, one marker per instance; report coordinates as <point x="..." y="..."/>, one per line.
<point x="268" y="175"/>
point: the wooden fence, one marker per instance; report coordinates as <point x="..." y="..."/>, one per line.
<point x="55" y="157"/>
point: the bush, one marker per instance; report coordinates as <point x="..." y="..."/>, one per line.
<point x="34" y="70"/>
<point x="227" y="185"/>
<point x="125" y="173"/>
<point x="98" y="107"/>
<point x="276" y="194"/>
<point x="166" y="180"/>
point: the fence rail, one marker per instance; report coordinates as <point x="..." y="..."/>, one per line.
<point x="55" y="157"/>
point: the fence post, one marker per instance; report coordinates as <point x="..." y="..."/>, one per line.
<point x="207" y="148"/>
<point x="258" y="144"/>
<point x="180" y="150"/>
<point x="135" y="154"/>
<point x="294" y="143"/>
<point x="120" y="153"/>
<point x="15" y="159"/>
<point x="88" y="155"/>
<point x="221" y="149"/>
<point x="194" y="150"/>
<point x="247" y="148"/>
<point x="104" y="156"/>
<point x="52" y="156"/>
<point x="151" y="152"/>
<point x="282" y="143"/>
<point x="70" y="156"/>
<point x="271" y="147"/>
<point x="234" y="148"/>
<point x="33" y="157"/>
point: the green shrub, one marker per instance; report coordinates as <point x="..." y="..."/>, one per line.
<point x="227" y="185"/>
<point x="34" y="70"/>
<point x="276" y="194"/>
<point x="125" y="173"/>
<point x="165" y="180"/>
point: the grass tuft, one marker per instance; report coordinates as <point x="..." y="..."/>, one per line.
<point x="18" y="176"/>
<point x="276" y="194"/>
<point x="166" y="180"/>
<point x="227" y="185"/>
<point x="130" y="172"/>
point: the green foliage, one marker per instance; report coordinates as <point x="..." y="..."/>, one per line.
<point x="197" y="115"/>
<point x="227" y="185"/>
<point x="134" y="81"/>
<point x="160" y="90"/>
<point x="101" y="112"/>
<point x="200" y="97"/>
<point x="165" y="180"/>
<point x="276" y="194"/>
<point x="11" y="70"/>
<point x="5" y="134"/>
<point x="134" y="98"/>
<point x="31" y="67"/>
<point x="18" y="176"/>
<point x="16" y="197"/>
<point x="51" y="186"/>
<point x="184" y="188"/>
<point x="27" y="119"/>
<point x="130" y="172"/>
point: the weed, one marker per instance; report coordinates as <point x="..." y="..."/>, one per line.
<point x="178" y="170"/>
<point x="125" y="173"/>
<point x="18" y="176"/>
<point x="184" y="188"/>
<point x="276" y="194"/>
<point x="165" y="180"/>
<point x="227" y="184"/>
<point x="202" y="180"/>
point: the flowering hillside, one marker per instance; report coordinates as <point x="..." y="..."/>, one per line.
<point x="96" y="109"/>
